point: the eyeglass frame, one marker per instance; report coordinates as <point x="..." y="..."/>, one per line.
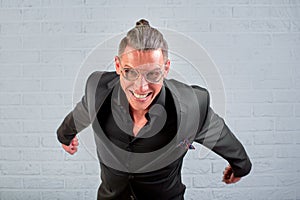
<point x="144" y="74"/>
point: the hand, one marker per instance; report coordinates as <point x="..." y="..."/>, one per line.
<point x="228" y="176"/>
<point x="72" y="148"/>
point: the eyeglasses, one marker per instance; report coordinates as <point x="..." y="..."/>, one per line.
<point x="153" y="76"/>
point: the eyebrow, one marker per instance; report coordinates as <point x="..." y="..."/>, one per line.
<point x="128" y="66"/>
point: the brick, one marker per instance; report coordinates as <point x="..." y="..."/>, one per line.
<point x="57" y="85"/>
<point x="286" y="137"/>
<point x="10" y="99"/>
<point x="219" y="166"/>
<point x="19" y="141"/>
<point x="196" y="167"/>
<point x="226" y="2"/>
<point x="236" y="83"/>
<point x="61" y="169"/>
<point x="20" y="168"/>
<point x="19" y="3"/>
<point x="272" y="193"/>
<point x="297" y="110"/>
<point x="9" y="71"/>
<point x="252" y="40"/>
<point x="295" y="25"/>
<point x="10" y="42"/>
<point x="236" y="193"/>
<point x="284" y="83"/>
<point x="10" y="182"/>
<point x="288" y="40"/>
<point x="193" y="194"/>
<point x="229" y="26"/>
<point x="43" y="183"/>
<point x="273" y="166"/>
<point x="289" y="12"/>
<point x="261" y="151"/>
<point x="53" y="28"/>
<point x="10" y="15"/>
<point x="43" y="99"/>
<point x="270" y="25"/>
<point x="93" y="27"/>
<point x="290" y="151"/>
<point x="238" y="110"/>
<point x="20" y="195"/>
<point x="8" y="126"/>
<point x="83" y="183"/>
<point x="254" y="125"/>
<point x="91" y="168"/>
<point x="83" y="41"/>
<point x="7" y="154"/>
<point x="58" y="57"/>
<point x="40" y="126"/>
<point x="55" y="3"/>
<point x="243" y="12"/>
<point x="264" y="181"/>
<point x="188" y="25"/>
<point x="43" y="42"/>
<point x="50" y="141"/>
<point x="26" y="28"/>
<point x="54" y="112"/>
<point x="286" y="96"/>
<point x="208" y="181"/>
<point x="287" y="124"/>
<point x="274" y="110"/>
<point x="81" y="13"/>
<point x="19" y="57"/>
<point x="264" y="138"/>
<point x="291" y="180"/>
<point x="62" y="195"/>
<point x="20" y="113"/>
<point x="253" y="96"/>
<point x="42" y="154"/>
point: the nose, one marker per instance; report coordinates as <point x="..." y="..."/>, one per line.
<point x="141" y="84"/>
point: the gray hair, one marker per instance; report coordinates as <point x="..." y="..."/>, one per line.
<point x="144" y="37"/>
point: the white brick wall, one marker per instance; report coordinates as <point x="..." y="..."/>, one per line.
<point x="254" y="43"/>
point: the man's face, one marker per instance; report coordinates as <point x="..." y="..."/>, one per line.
<point x="140" y="92"/>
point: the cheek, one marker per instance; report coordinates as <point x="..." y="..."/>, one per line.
<point x="156" y="88"/>
<point x="125" y="84"/>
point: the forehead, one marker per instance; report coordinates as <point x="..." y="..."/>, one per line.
<point x="135" y="57"/>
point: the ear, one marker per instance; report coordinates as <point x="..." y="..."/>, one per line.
<point x="167" y="68"/>
<point x="118" y="65"/>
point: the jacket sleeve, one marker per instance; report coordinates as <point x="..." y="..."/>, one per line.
<point x="77" y="120"/>
<point x="215" y="135"/>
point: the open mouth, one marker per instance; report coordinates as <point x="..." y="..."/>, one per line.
<point x="140" y="96"/>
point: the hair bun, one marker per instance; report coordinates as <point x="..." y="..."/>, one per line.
<point x="142" y="22"/>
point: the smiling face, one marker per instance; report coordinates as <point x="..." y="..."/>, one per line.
<point x="140" y="93"/>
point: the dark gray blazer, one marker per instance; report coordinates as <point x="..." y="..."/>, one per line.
<point x="196" y="122"/>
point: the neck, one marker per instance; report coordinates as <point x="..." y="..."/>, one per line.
<point x="138" y="116"/>
<point x="139" y="120"/>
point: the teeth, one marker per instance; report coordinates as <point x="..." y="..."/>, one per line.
<point x="140" y="96"/>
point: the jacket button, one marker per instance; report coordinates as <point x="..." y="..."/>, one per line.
<point x="131" y="177"/>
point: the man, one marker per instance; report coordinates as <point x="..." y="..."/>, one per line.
<point x="144" y="123"/>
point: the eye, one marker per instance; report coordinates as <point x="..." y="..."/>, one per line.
<point x="129" y="72"/>
<point x="154" y="74"/>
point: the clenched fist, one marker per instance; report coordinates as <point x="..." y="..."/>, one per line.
<point x="72" y="148"/>
<point x="228" y="176"/>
